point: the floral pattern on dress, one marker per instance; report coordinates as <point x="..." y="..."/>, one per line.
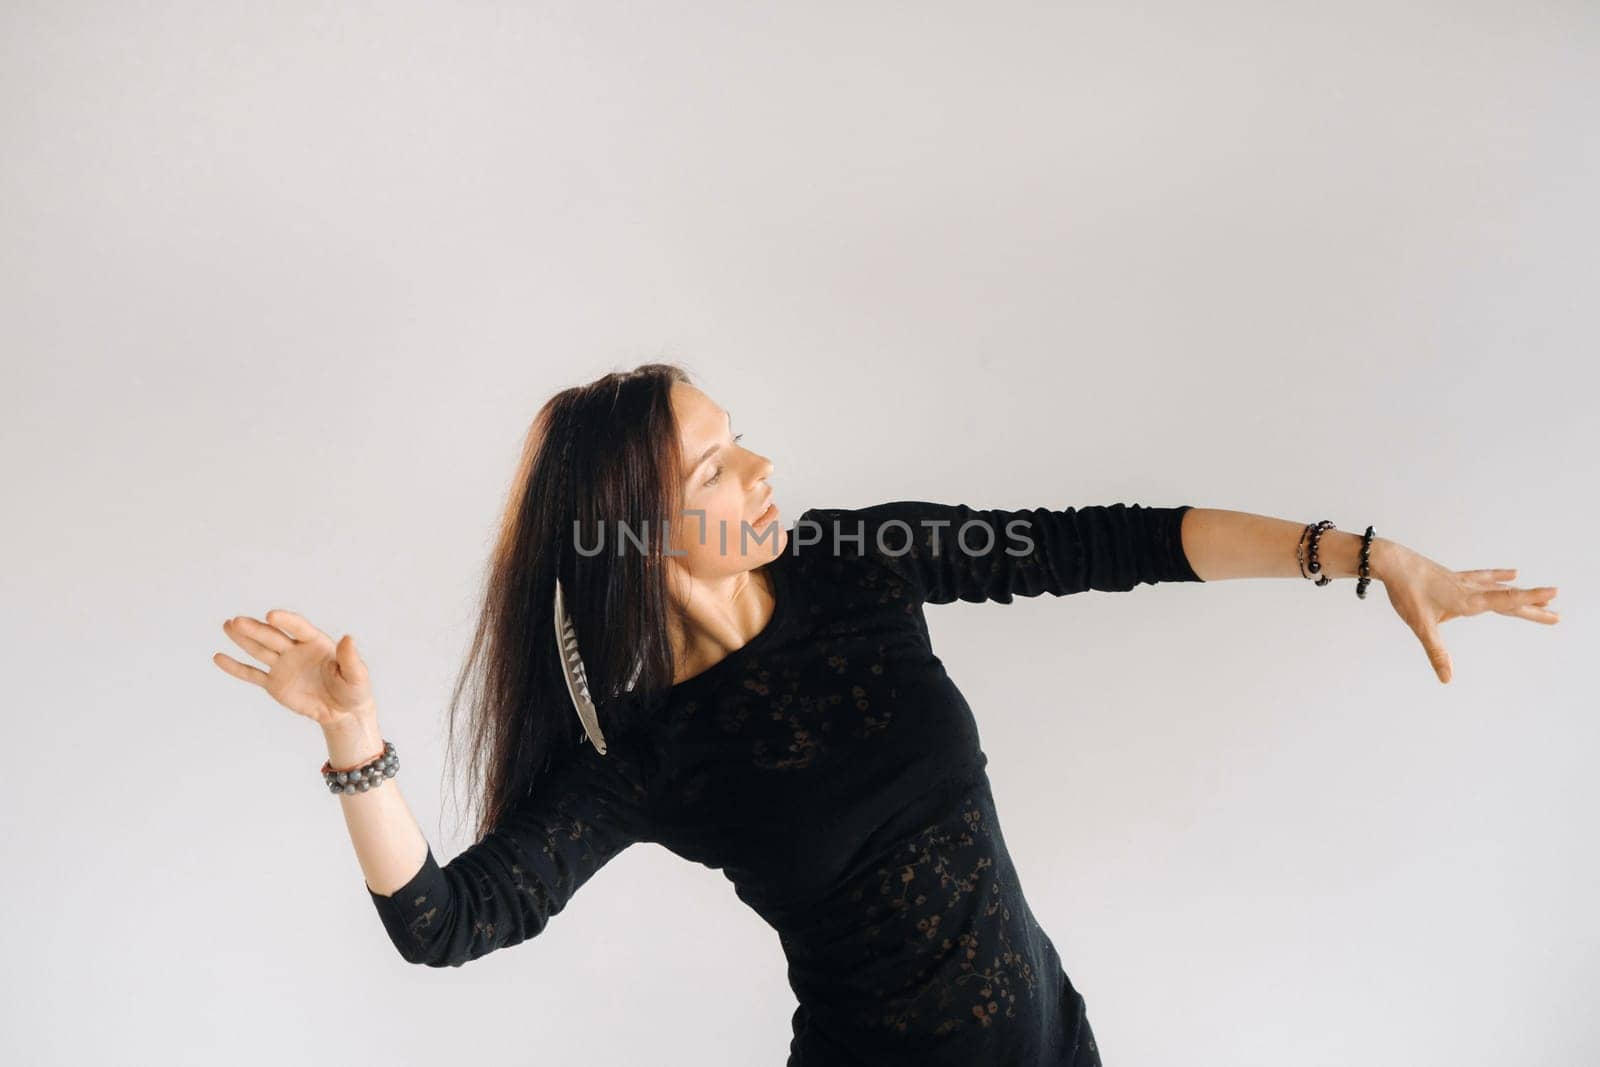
<point x="942" y="914"/>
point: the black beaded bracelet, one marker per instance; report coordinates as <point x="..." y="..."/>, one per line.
<point x="1365" y="570"/>
<point x="1315" y="531"/>
<point x="361" y="778"/>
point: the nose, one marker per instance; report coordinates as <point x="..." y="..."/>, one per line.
<point x="764" y="469"/>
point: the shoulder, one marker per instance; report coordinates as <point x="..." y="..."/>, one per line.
<point x="856" y="551"/>
<point x="877" y="529"/>
<point x="897" y="534"/>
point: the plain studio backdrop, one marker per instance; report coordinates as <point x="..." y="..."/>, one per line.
<point x="281" y="287"/>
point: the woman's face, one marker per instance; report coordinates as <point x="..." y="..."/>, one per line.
<point x="725" y="526"/>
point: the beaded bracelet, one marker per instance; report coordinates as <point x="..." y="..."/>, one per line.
<point x="1315" y="531"/>
<point x="364" y="776"/>
<point x="1364" y="570"/>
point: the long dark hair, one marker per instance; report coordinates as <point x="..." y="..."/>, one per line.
<point x="597" y="457"/>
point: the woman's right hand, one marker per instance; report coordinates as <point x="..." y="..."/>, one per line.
<point x="306" y="672"/>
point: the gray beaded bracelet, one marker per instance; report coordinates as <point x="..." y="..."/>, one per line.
<point x="366" y="776"/>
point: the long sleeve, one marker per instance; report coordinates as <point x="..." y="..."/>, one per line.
<point x="505" y="888"/>
<point x="949" y="552"/>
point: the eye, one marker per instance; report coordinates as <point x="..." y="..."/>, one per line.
<point x="718" y="475"/>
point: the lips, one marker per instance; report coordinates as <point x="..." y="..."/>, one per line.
<point x="766" y="513"/>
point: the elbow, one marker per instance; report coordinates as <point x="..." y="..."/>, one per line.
<point x="438" y="962"/>
<point x="420" y="954"/>
<point x="453" y="944"/>
<point x="439" y="950"/>
<point x="449" y="916"/>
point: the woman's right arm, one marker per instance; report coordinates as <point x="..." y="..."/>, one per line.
<point x="498" y="892"/>
<point x="389" y="844"/>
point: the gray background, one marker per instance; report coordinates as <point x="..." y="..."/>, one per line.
<point x="282" y="285"/>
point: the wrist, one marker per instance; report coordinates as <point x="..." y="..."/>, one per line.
<point x="1339" y="552"/>
<point x="1384" y="558"/>
<point x="353" y="740"/>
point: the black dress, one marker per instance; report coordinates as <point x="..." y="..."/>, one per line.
<point x="832" y="771"/>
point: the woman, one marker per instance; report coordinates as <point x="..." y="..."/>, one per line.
<point x="771" y="708"/>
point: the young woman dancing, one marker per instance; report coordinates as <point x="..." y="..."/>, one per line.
<point x="660" y="659"/>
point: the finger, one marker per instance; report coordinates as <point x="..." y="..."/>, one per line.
<point x="234" y="629"/>
<point x="1507" y="601"/>
<point x="351" y="666"/>
<point x="260" y="632"/>
<point x="1437" y="656"/>
<point x="296" y="626"/>
<point x="1491" y="576"/>
<point x="1537" y="613"/>
<point x="242" y="671"/>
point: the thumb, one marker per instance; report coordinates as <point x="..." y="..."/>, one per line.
<point x="352" y="668"/>
<point x="1436" y="652"/>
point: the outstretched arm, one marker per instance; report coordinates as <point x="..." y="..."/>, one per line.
<point x="1236" y="544"/>
<point x="949" y="552"/>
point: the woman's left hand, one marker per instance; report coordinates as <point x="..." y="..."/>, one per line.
<point x="1426" y="594"/>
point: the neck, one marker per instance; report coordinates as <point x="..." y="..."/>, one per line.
<point x="720" y="617"/>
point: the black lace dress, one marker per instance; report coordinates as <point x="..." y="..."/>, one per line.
<point x="831" y="769"/>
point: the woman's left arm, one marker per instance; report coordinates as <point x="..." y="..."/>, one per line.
<point x="1237" y="544"/>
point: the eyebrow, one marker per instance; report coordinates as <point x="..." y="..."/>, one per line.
<point x="707" y="454"/>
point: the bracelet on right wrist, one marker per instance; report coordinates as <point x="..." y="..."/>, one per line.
<point x="363" y="776"/>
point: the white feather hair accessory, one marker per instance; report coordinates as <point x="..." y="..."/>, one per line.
<point x="578" y="678"/>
